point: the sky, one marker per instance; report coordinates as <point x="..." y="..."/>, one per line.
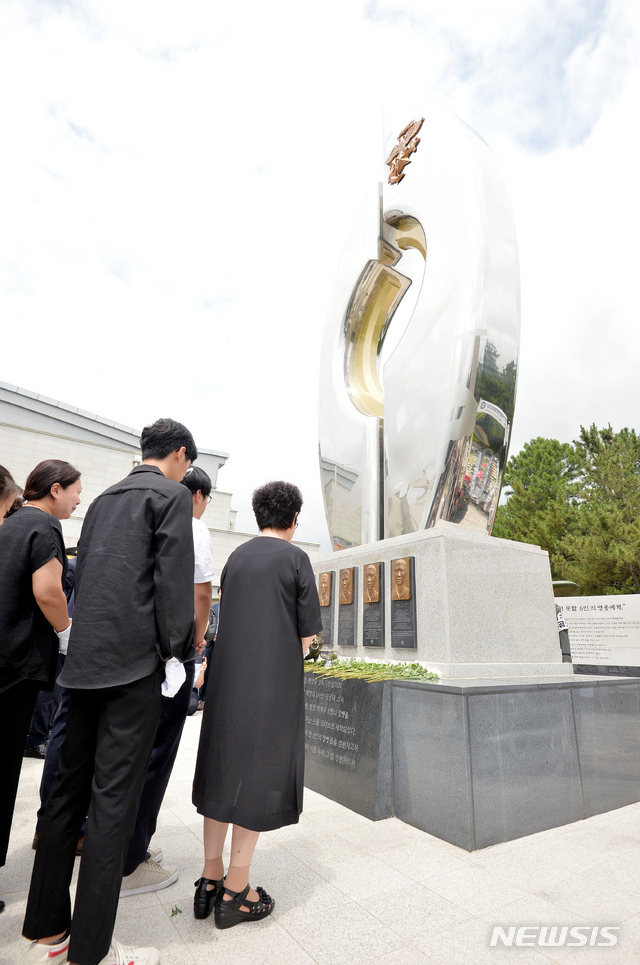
<point x="179" y="181"/>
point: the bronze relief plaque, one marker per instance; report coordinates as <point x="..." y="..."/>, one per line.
<point x="324" y="588"/>
<point x="347" y="607"/>
<point x="325" y="592"/>
<point x="346" y="585"/>
<point x="373" y="605"/>
<point x="403" y="603"/>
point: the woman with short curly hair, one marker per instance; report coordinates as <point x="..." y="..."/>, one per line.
<point x="250" y="766"/>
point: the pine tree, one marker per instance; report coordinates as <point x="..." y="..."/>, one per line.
<point x="606" y="555"/>
<point x="542" y="504"/>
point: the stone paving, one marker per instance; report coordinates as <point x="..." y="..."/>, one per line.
<point x="350" y="891"/>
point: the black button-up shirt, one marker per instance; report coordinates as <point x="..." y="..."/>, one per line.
<point x="134" y="582"/>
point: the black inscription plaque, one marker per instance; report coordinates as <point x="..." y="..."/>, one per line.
<point x="373" y="612"/>
<point x="348" y="743"/>
<point x="326" y="612"/>
<point x="347" y="615"/>
<point x="403" y="604"/>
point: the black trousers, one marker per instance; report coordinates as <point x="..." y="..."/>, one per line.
<point x="47" y="703"/>
<point x="163" y="757"/>
<point x="16" y="708"/>
<point x="103" y="763"/>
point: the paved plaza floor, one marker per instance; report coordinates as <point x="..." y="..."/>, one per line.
<point x="351" y="891"/>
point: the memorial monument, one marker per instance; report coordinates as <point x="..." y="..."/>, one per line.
<point x="420" y="439"/>
<point x="413" y="446"/>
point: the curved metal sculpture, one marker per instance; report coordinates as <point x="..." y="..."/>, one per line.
<point x="425" y="436"/>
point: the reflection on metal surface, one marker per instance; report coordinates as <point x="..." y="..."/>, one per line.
<point x="400" y="579"/>
<point x="401" y="154"/>
<point x="425" y="436"/>
<point x="346" y="586"/>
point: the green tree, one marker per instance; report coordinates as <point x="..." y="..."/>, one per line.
<point x="542" y="505"/>
<point x="606" y="551"/>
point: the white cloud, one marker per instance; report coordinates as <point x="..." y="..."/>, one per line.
<point x="179" y="183"/>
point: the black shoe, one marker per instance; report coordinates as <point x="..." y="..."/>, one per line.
<point x="205" y="898"/>
<point x="40" y="751"/>
<point x="228" y="911"/>
<point x="1" y="905"/>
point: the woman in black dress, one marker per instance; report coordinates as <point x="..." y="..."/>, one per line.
<point x="34" y="623"/>
<point x="250" y="766"/>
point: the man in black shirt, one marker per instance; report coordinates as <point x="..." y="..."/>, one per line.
<point x="132" y="631"/>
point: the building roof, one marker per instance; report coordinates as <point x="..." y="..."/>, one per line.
<point x="28" y="410"/>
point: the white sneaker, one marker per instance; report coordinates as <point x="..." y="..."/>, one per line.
<point x="148" y="876"/>
<point x="156" y="854"/>
<point x="56" y="954"/>
<point x="125" y="955"/>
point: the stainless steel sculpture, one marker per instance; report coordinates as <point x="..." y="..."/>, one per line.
<point x="425" y="435"/>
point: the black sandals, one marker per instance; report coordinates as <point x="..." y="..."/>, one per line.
<point x="205" y="898"/>
<point x="228" y="911"/>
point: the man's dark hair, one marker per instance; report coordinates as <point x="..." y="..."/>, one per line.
<point x="45" y="475"/>
<point x="164" y="437"/>
<point x="276" y="504"/>
<point x="196" y="479"/>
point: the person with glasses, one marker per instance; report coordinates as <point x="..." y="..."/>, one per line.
<point x="250" y="765"/>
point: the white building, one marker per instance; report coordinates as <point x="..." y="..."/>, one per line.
<point x="34" y="427"/>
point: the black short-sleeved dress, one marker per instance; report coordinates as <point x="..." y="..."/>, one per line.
<point x="28" y="643"/>
<point x="250" y="766"/>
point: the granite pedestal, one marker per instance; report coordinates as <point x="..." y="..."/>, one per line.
<point x="348" y="743"/>
<point x="477" y="762"/>
<point x="484" y="606"/>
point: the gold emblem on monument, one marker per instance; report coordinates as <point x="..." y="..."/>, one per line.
<point x="401" y="154"/>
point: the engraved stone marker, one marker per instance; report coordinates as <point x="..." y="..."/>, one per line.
<point x="347" y="607"/>
<point x="604" y="634"/>
<point x="348" y="743"/>
<point x="373" y="608"/>
<point x="403" y="604"/>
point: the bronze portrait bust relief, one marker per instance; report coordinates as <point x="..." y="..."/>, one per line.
<point x="324" y="588"/>
<point x="346" y="585"/>
<point x="372" y="583"/>
<point x="400" y="579"/>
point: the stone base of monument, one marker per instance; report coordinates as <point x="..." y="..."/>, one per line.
<point x="475" y="762"/>
<point x="348" y="743"/>
<point x="508" y="741"/>
<point x="479" y="607"/>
